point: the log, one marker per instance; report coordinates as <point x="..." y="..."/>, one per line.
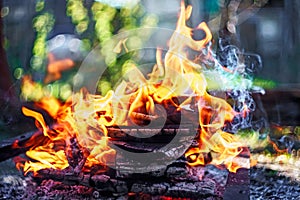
<point x="14" y="146"/>
<point x="194" y="190"/>
<point x="129" y="132"/>
<point x="127" y="168"/>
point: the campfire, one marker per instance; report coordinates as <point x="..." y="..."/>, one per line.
<point x="161" y="134"/>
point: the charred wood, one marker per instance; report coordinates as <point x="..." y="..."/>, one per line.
<point x="12" y="147"/>
<point x="193" y="190"/>
<point x="15" y="146"/>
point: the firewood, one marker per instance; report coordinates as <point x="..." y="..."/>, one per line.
<point x="153" y="189"/>
<point x="128" y="133"/>
<point x="203" y="188"/>
<point x="15" y="146"/>
<point x="18" y="145"/>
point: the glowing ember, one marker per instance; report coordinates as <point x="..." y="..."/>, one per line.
<point x="84" y="117"/>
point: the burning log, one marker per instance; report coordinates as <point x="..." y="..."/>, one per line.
<point x="24" y="142"/>
<point x="139" y="133"/>
<point x="18" y="145"/>
<point x="76" y="158"/>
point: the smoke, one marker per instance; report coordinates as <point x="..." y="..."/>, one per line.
<point x="243" y="66"/>
<point x="232" y="71"/>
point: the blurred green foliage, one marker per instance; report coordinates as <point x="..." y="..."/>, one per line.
<point x="95" y="24"/>
<point x="264" y="83"/>
<point x="110" y="21"/>
<point x="40" y="4"/>
<point x="42" y="24"/>
<point x="79" y="15"/>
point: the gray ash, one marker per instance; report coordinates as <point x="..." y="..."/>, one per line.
<point x="267" y="184"/>
<point x="16" y="187"/>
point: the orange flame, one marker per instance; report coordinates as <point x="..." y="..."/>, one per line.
<point x="54" y="152"/>
<point x="213" y="112"/>
<point x="56" y="67"/>
<point x="85" y="116"/>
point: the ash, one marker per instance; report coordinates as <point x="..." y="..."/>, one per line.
<point x="268" y="184"/>
<point x="15" y="187"/>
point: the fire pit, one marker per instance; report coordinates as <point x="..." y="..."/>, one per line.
<point x="175" y="132"/>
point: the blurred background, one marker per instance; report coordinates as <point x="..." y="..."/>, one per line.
<point x="272" y="32"/>
<point x="45" y="41"/>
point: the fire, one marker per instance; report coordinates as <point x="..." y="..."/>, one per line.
<point x="54" y="153"/>
<point x="84" y="117"/>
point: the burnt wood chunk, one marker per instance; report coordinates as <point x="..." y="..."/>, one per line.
<point x="153" y="189"/>
<point x="193" y="190"/>
<point x="18" y="145"/>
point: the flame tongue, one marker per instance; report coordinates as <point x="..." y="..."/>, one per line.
<point x="213" y="112"/>
<point x="84" y="118"/>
